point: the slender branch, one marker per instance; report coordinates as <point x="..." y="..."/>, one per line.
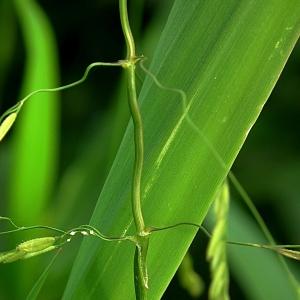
<point x="282" y="249"/>
<point x="31" y="228"/>
<point x="64" y="87"/>
<point x="9" y="116"/>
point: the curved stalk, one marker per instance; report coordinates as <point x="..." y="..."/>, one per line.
<point x="137" y="120"/>
<point x="142" y="238"/>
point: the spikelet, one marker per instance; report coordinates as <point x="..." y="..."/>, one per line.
<point x="216" y="252"/>
<point x="11" y="256"/>
<point x="37" y="244"/>
<point x="29" y="249"/>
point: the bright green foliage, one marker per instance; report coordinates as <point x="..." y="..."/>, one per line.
<point x="35" y="141"/>
<point x="34" y="152"/>
<point x="226" y="57"/>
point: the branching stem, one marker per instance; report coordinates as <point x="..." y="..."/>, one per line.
<point x="141" y="238"/>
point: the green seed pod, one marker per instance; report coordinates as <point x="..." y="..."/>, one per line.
<point x="289" y="253"/>
<point x="32" y="254"/>
<point x="6" y="124"/>
<point x="35" y="245"/>
<point x="11" y="256"/>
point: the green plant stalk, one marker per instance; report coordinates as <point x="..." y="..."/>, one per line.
<point x="142" y="238"/>
<point x="137" y="119"/>
<point x="139" y="152"/>
<point x="238" y="15"/>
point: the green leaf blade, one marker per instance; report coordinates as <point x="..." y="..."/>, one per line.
<point x="225" y="57"/>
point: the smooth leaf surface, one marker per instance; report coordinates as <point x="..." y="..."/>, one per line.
<point x="35" y="142"/>
<point x="227" y="57"/>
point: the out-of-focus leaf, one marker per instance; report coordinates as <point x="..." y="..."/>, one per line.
<point x="34" y="149"/>
<point x="189" y="279"/>
<point x="36" y="140"/>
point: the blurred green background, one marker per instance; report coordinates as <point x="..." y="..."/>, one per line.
<point x="85" y="127"/>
